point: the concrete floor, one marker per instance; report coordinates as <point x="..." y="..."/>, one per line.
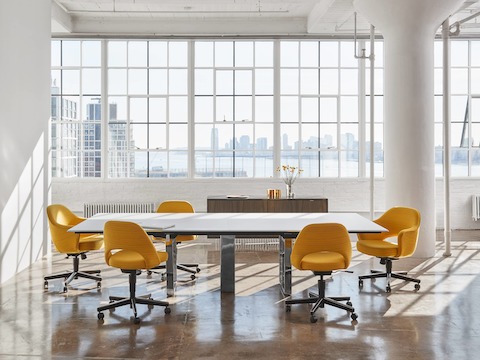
<point x="440" y="321"/>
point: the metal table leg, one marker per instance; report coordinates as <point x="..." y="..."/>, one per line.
<point x="171" y="268"/>
<point x="227" y="265"/>
<point x="285" y="267"/>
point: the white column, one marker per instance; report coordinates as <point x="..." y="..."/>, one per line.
<point x="408" y="28"/>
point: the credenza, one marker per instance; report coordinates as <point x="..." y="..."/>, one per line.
<point x="251" y="204"/>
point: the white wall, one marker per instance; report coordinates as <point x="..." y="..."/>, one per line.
<point x="24" y="115"/>
<point x="342" y="194"/>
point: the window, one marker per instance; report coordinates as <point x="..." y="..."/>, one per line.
<point x="234" y="109"/>
<point x="464" y="108"/>
<point x="148" y="108"/>
<point x="212" y="108"/>
<point x="75" y="108"/>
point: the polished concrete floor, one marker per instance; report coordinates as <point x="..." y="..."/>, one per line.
<point x="440" y="321"/>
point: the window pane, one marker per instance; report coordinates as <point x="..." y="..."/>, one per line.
<point x="91" y="53"/>
<point x="243" y="53"/>
<point x="328" y="82"/>
<point x="117" y="81"/>
<point x="264" y="53"/>
<point x="329" y="54"/>
<point x="71" y="82"/>
<point x="178" y="109"/>
<point x="178" y="82"/>
<point x="157" y="81"/>
<point x="117" y="53"/>
<point x="203" y="54"/>
<point x="157" y="53"/>
<point x="91" y="81"/>
<point x="224" y="54"/>
<point x="289" y="54"/>
<point x="309" y="54"/>
<point x="70" y="53"/>
<point x="137" y="81"/>
<point x="309" y="110"/>
<point x="264" y="82"/>
<point x="289" y="81"/>
<point x="224" y="82"/>
<point x="203" y="82"/>
<point x="178" y="54"/>
<point x="243" y="82"/>
<point x="137" y="53"/>
<point x="309" y="81"/>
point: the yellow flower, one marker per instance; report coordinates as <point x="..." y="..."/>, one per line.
<point x="289" y="173"/>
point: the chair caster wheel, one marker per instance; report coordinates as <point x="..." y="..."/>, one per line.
<point x="136" y="320"/>
<point x="198" y="270"/>
<point x="417" y="287"/>
<point x="65" y="289"/>
<point x="349" y="303"/>
<point x="150" y="306"/>
<point x="45" y="285"/>
<point x="193" y="277"/>
<point x="354" y="316"/>
<point x="388" y="289"/>
<point x="100" y="316"/>
<point x="167" y="310"/>
<point x="313" y="319"/>
<point x="149" y="273"/>
<point x="360" y="283"/>
<point x="99" y="284"/>
<point x="288" y="308"/>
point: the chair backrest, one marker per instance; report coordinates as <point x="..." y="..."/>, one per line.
<point x="60" y="219"/>
<point x="331" y="237"/>
<point x="128" y="236"/>
<point x="402" y="222"/>
<point x="177" y="206"/>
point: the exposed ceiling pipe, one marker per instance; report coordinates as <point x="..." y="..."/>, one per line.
<point x="456" y="25"/>
<point x="371" y="57"/>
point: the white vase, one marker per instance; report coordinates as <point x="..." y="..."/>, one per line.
<point x="289" y="194"/>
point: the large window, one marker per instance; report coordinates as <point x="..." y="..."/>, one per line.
<point x="212" y="108"/>
<point x="76" y="108"/>
<point x="148" y="108"/>
<point x="234" y="121"/>
<point x="464" y="108"/>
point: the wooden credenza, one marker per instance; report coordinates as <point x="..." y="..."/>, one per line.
<point x="257" y="204"/>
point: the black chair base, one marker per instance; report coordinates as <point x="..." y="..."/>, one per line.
<point x="388" y="274"/>
<point x="320" y="300"/>
<point x="132" y="300"/>
<point x="75" y="274"/>
<point x="183" y="267"/>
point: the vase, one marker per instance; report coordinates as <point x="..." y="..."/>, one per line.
<point x="288" y="193"/>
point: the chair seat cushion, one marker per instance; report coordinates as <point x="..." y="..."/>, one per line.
<point x="132" y="260"/>
<point x="90" y="242"/>
<point x="377" y="248"/>
<point x="323" y="261"/>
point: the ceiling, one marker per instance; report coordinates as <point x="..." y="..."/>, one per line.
<point x="219" y="17"/>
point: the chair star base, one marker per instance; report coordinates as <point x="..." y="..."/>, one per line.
<point x="75" y="274"/>
<point x="388" y="274"/>
<point x="320" y="300"/>
<point x="132" y="300"/>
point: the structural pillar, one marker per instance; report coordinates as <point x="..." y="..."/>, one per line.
<point x="408" y="28"/>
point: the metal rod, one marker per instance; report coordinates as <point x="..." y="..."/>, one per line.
<point x="446" y="135"/>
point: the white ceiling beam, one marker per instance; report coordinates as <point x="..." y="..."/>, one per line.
<point x="314" y="21"/>
<point x="61" y="20"/>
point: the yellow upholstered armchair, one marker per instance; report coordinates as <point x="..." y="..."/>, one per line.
<point x="403" y="224"/>
<point x="322" y="248"/>
<point x="179" y="206"/>
<point x="129" y="248"/>
<point x="61" y="219"/>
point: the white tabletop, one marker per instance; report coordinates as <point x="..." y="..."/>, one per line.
<point x="229" y="223"/>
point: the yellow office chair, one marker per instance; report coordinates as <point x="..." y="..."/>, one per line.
<point x="402" y="223"/>
<point x="179" y="206"/>
<point x="129" y="248"/>
<point x="74" y="245"/>
<point x="322" y="248"/>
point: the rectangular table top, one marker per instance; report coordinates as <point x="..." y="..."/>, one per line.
<point x="229" y="223"/>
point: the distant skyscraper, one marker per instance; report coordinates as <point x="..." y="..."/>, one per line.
<point x="214" y="139"/>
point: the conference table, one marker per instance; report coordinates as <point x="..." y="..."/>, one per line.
<point x="226" y="226"/>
